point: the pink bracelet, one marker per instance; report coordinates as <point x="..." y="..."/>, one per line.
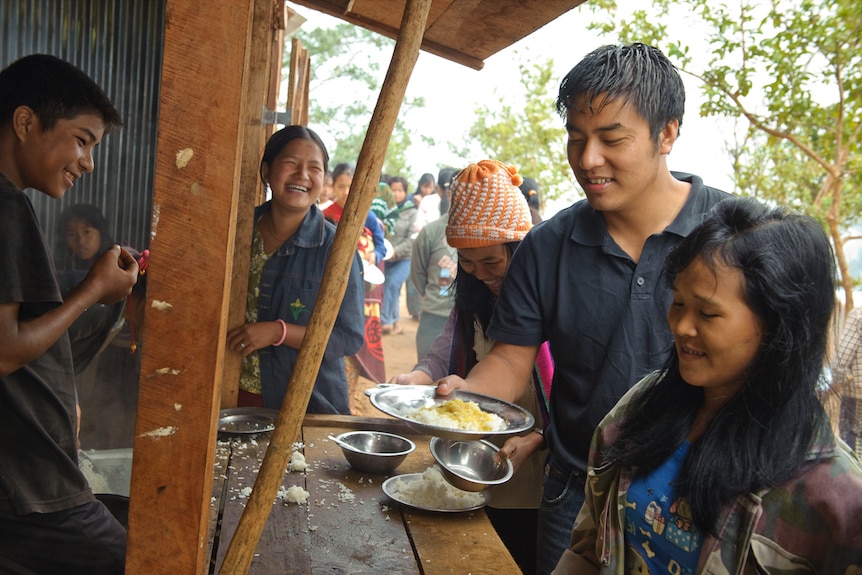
<point x="283" y="332"/>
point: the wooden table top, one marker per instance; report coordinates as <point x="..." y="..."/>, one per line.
<point x="348" y="525"/>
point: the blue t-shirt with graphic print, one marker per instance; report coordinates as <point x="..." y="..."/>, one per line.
<point x="660" y="535"/>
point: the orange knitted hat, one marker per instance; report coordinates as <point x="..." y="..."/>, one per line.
<point x="486" y="206"/>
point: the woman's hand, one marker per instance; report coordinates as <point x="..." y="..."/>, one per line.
<point x="519" y="448"/>
<point x="251" y="337"/>
<point x="415" y="377"/>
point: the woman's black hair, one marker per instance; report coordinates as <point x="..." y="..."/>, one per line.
<point x="65" y="259"/>
<point x="760" y="438"/>
<point x="425" y="179"/>
<point x="341" y="169"/>
<point x="472" y="296"/>
<point x="402" y="181"/>
<point x="281" y="138"/>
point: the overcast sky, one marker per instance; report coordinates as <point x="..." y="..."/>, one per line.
<point x="452" y="92"/>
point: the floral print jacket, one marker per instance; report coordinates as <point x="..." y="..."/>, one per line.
<point x="811" y="524"/>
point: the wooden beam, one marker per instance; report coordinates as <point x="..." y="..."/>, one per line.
<point x="298" y="83"/>
<point x="281" y="17"/>
<point x="252" y="191"/>
<point x="201" y="136"/>
<point x="368" y="166"/>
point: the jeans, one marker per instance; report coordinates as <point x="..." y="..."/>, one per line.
<point x="396" y="274"/>
<point x="562" y="497"/>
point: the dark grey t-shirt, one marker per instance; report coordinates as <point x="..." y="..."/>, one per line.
<point x="603" y="314"/>
<point x="38" y="451"/>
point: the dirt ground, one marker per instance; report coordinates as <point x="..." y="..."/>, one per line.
<point x="399" y="353"/>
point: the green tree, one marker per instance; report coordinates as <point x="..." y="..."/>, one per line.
<point x="348" y="64"/>
<point x="792" y="71"/>
<point x="527" y="133"/>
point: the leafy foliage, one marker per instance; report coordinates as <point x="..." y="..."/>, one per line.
<point x="350" y="62"/>
<point x="793" y="71"/>
<point x="526" y="132"/>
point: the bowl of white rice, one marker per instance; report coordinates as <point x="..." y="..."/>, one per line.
<point x="429" y="491"/>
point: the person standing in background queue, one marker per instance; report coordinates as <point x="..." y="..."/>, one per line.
<point x="847" y="378"/>
<point x="369" y="360"/>
<point x="433" y="268"/>
<point x="589" y="280"/>
<point x="530" y="189"/>
<point x="425" y="187"/>
<point x="402" y="217"/>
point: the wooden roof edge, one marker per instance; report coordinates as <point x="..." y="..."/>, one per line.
<point x="435" y="48"/>
<point x="427" y="45"/>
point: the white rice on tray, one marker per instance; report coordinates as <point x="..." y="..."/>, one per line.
<point x="458" y="414"/>
<point x="432" y="491"/>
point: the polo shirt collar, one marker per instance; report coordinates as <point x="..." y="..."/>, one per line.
<point x="695" y="208"/>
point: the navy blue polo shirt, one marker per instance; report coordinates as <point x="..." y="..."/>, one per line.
<point x="604" y="315"/>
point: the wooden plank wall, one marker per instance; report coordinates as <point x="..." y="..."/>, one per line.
<point x="202" y="123"/>
<point x="264" y="73"/>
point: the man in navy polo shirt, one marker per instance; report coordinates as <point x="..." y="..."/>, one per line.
<point x="589" y="280"/>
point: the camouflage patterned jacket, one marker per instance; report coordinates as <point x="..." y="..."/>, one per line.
<point x="812" y="524"/>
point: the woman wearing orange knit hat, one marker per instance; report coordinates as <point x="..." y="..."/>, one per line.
<point x="488" y="217"/>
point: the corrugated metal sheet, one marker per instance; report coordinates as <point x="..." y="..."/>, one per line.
<point x="119" y="44"/>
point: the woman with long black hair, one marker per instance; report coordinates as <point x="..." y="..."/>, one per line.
<point x="724" y="461"/>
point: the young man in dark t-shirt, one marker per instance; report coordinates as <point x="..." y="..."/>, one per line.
<point x="52" y="116"/>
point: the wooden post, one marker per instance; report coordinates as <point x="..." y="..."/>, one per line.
<point x="370" y="162"/>
<point x="261" y="59"/>
<point x="297" y="87"/>
<point x="202" y="119"/>
<point x="280" y="18"/>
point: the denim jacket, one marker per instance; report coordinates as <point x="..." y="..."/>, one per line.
<point x="810" y="525"/>
<point x="289" y="287"/>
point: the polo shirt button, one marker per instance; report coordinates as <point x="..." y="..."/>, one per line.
<point x="641" y="281"/>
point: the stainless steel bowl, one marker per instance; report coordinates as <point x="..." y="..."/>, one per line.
<point x="374" y="451"/>
<point x="470" y="465"/>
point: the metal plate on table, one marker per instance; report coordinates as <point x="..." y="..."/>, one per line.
<point x="389" y="489"/>
<point x="401" y="400"/>
<point x="246" y="420"/>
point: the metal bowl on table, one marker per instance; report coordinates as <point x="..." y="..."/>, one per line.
<point x="470" y="465"/>
<point x="400" y="401"/>
<point x="374" y="451"/>
<point x="246" y="420"/>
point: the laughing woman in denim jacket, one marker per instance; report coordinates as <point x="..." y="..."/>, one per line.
<point x="290" y="247"/>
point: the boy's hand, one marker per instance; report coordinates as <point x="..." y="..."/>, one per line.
<point x="113" y="275"/>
